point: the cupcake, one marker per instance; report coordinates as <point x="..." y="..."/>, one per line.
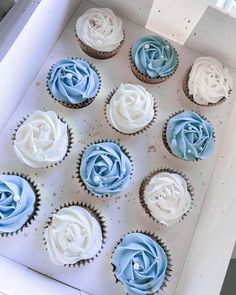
<point x="189" y="136"/>
<point x="130" y="109"/>
<point x="141" y="263"/>
<point x="42" y="140"/>
<point x="99" y="32"/>
<point x="73" y="82"/>
<point x="105" y="168"/>
<point x="153" y="59"/>
<point x="19" y="202"/>
<point x="166" y="196"/>
<point x="75" y="235"/>
<point x="207" y="82"/>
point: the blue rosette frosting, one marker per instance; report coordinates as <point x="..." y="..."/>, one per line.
<point x="105" y="169"/>
<point x="73" y="81"/>
<point x="140" y="263"/>
<point x="17" y="202"/>
<point x="154" y="57"/>
<point x="189" y="136"/>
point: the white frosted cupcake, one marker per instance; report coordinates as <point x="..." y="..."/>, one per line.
<point x="130" y="109"/>
<point x="100" y="32"/>
<point x="42" y="139"/>
<point x="207" y="82"/>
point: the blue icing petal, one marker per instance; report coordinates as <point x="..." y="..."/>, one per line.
<point x="153" y="56"/>
<point x="105" y="169"/>
<point x="14" y="214"/>
<point x="189" y="136"/>
<point x="73" y="81"/>
<point x="140" y="264"/>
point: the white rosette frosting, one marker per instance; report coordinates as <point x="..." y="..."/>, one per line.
<point x="100" y="29"/>
<point x="130" y="109"/>
<point x="42" y="139"/>
<point x="209" y="81"/>
<point x="167" y="197"/>
<point x="73" y="235"/>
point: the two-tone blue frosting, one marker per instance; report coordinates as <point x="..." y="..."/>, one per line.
<point x="153" y="56"/>
<point x="105" y="169"/>
<point x="73" y="81"/>
<point x="189" y="136"/>
<point x="17" y="201"/>
<point x="140" y="264"/>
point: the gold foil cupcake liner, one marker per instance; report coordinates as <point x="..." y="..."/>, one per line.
<point x="164" y="247"/>
<point x="80" y="105"/>
<point x="70" y="140"/>
<point x="96" y="214"/>
<point x="147" y="180"/>
<point x="37" y="204"/>
<point x="107" y="102"/>
<point x="123" y="149"/>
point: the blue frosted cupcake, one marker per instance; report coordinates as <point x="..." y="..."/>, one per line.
<point x="73" y="82"/>
<point x="189" y="136"/>
<point x="141" y="263"/>
<point x="19" y="202"/>
<point x="104" y="168"/>
<point x="153" y="59"/>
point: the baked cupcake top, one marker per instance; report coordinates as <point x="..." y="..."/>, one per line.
<point x="42" y="139"/>
<point x="73" y="235"/>
<point x="105" y="169"/>
<point x="73" y="81"/>
<point x="209" y="81"/>
<point x="153" y="56"/>
<point x="130" y="109"/>
<point x="167" y="197"/>
<point x="17" y="201"/>
<point x="140" y="264"/>
<point x="100" y="29"/>
<point x="189" y="136"/>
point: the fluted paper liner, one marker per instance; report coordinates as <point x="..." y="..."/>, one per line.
<point x="96" y="214"/>
<point x="147" y="180"/>
<point x="36" y="204"/>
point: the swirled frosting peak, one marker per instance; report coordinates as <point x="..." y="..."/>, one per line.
<point x="42" y="139"/>
<point x="209" y="81"/>
<point x="73" y="235"/>
<point x="105" y="169"/>
<point x="130" y="108"/>
<point x="140" y="264"/>
<point x="189" y="136"/>
<point x="167" y="197"/>
<point x="153" y="56"/>
<point x="17" y="201"/>
<point x="100" y="29"/>
<point x="73" y="81"/>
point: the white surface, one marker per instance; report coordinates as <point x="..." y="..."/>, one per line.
<point x="123" y="213"/>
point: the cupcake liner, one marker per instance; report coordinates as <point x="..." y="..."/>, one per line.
<point x="70" y="140"/>
<point x="96" y="53"/>
<point x="36" y="204"/>
<point x="80" y="105"/>
<point x="190" y="97"/>
<point x="147" y="79"/>
<point x="124" y="150"/>
<point x="164" y="247"/>
<point x="148" y="178"/>
<point x="134" y="133"/>
<point x="96" y="214"/>
<point x="165" y="128"/>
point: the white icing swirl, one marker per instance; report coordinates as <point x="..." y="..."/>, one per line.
<point x="73" y="235"/>
<point x="130" y="108"/>
<point x="209" y="81"/>
<point x="42" y="139"/>
<point x="167" y="197"/>
<point x="100" y="29"/>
